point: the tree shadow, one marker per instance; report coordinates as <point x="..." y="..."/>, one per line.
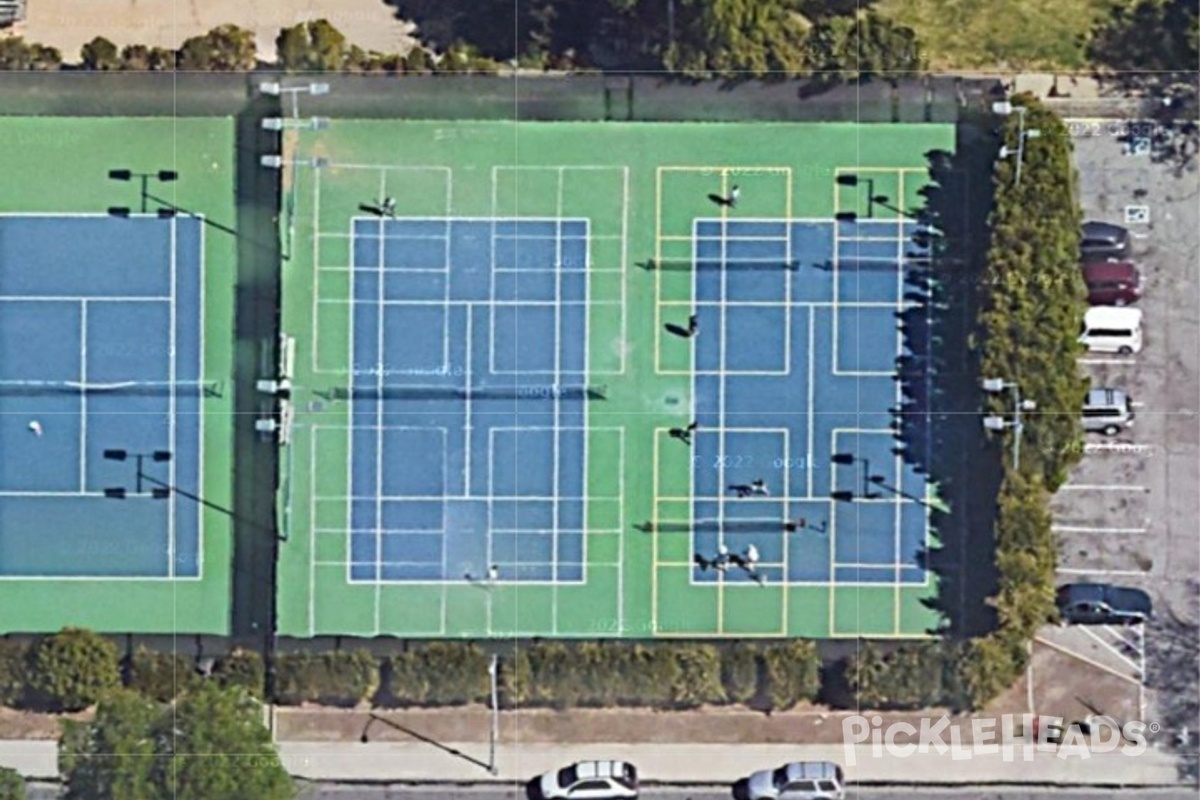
<point x="937" y="423"/>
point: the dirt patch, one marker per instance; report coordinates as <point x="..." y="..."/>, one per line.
<point x="68" y="24"/>
<point x="27" y="725"/>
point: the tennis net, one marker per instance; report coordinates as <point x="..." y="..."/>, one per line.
<point x="532" y="393"/>
<point x="124" y="388"/>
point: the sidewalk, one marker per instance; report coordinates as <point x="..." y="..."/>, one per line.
<point x="695" y="764"/>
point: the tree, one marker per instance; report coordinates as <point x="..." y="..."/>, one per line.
<point x="113" y="756"/>
<point x="12" y="785"/>
<point x="217" y="746"/>
<point x="210" y="743"/>
<point x="153" y="59"/>
<point x="73" y="669"/>
<point x="312" y="47"/>
<point x="224" y="48"/>
<point x="100" y="54"/>
<point x="19" y="55"/>
<point x="735" y="38"/>
<point x="862" y="47"/>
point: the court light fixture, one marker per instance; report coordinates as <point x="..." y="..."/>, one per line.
<point x="119" y="211"/>
<point x="165" y="213"/>
<point x="116" y="455"/>
<point x="159" y="493"/>
<point x="271" y="88"/>
<point x="115" y="493"/>
<point x="273" y="161"/>
<point x="120" y="174"/>
<point x="160" y="455"/>
<point x="168" y="175"/>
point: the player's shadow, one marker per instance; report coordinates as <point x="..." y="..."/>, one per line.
<point x="678" y="330"/>
<point x="723" y="202"/>
<point x="373" y="209"/>
<point x="936" y="423"/>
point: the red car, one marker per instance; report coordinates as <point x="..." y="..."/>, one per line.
<point x="1112" y="283"/>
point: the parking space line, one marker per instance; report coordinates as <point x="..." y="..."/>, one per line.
<point x="1089" y="529"/>
<point x="1127" y="361"/>
<point x="1120" y="656"/>
<point x="1104" y="487"/>
<point x="1086" y="660"/>
<point x="1104" y="572"/>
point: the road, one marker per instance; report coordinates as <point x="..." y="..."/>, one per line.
<point x="331" y="792"/>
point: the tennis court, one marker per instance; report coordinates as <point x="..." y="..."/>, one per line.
<point x="112" y="385"/>
<point x="490" y="383"/>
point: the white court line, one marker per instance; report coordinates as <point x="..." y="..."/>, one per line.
<point x="316" y="262"/>
<point x="557" y="419"/>
<point x="898" y="460"/>
<point x="37" y="298"/>
<point x="812" y="391"/>
<point x="172" y="377"/>
<point x="83" y="340"/>
<point x="1090" y="529"/>
<point x="381" y="364"/>
<point x="199" y="510"/>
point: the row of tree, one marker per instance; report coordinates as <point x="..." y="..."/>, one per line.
<point x="307" y="47"/>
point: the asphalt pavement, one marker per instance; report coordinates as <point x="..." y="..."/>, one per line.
<point x="344" y="792"/>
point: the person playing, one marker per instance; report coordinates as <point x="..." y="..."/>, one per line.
<point x="759" y="487"/>
<point x="734" y="194"/>
<point x="389" y="206"/>
<point x="35" y="427"/>
<point x="693" y="325"/>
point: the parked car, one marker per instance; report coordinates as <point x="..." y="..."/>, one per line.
<point x="587" y="780"/>
<point x="798" y="780"/>
<point x="1107" y="411"/>
<point x="1103" y="240"/>
<point x="1112" y="283"/>
<point x="1112" y="330"/>
<point x="1102" y="604"/>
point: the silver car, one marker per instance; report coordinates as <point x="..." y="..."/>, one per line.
<point x="798" y="780"/>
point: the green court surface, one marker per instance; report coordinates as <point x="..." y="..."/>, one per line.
<point x="641" y="188"/>
<point x="118" y="573"/>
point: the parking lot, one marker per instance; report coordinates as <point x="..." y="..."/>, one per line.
<point x="1129" y="512"/>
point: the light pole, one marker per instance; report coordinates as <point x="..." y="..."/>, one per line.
<point x="872" y="198"/>
<point x="160" y="489"/>
<point x="993" y="422"/>
<point x="847" y="459"/>
<point x="1005" y="108"/>
<point x="162" y="176"/>
<point x="494" y="677"/>
<point x="275" y="89"/>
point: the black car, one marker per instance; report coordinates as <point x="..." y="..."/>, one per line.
<point x="1102" y="604"/>
<point x="1103" y="241"/>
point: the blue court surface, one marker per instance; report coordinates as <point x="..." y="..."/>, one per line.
<point x="115" y="305"/>
<point x="795" y="386"/>
<point x="469" y="352"/>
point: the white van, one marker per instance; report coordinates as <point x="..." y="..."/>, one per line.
<point x="1112" y="329"/>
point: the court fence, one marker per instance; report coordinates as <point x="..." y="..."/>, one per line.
<point x="583" y="97"/>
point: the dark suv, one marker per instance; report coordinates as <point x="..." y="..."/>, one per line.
<point x="1102" y="604"/>
<point x="1103" y="240"/>
<point x="1112" y="283"/>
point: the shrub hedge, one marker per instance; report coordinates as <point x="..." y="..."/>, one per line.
<point x="338" y="678"/>
<point x="72" y="669"/>
<point x="548" y="674"/>
<point x="439" y="674"/>
<point x="917" y="675"/>
<point x="14" y="659"/>
<point x="161" y="676"/>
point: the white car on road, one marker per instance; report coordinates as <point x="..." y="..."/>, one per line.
<point x="587" y="780"/>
